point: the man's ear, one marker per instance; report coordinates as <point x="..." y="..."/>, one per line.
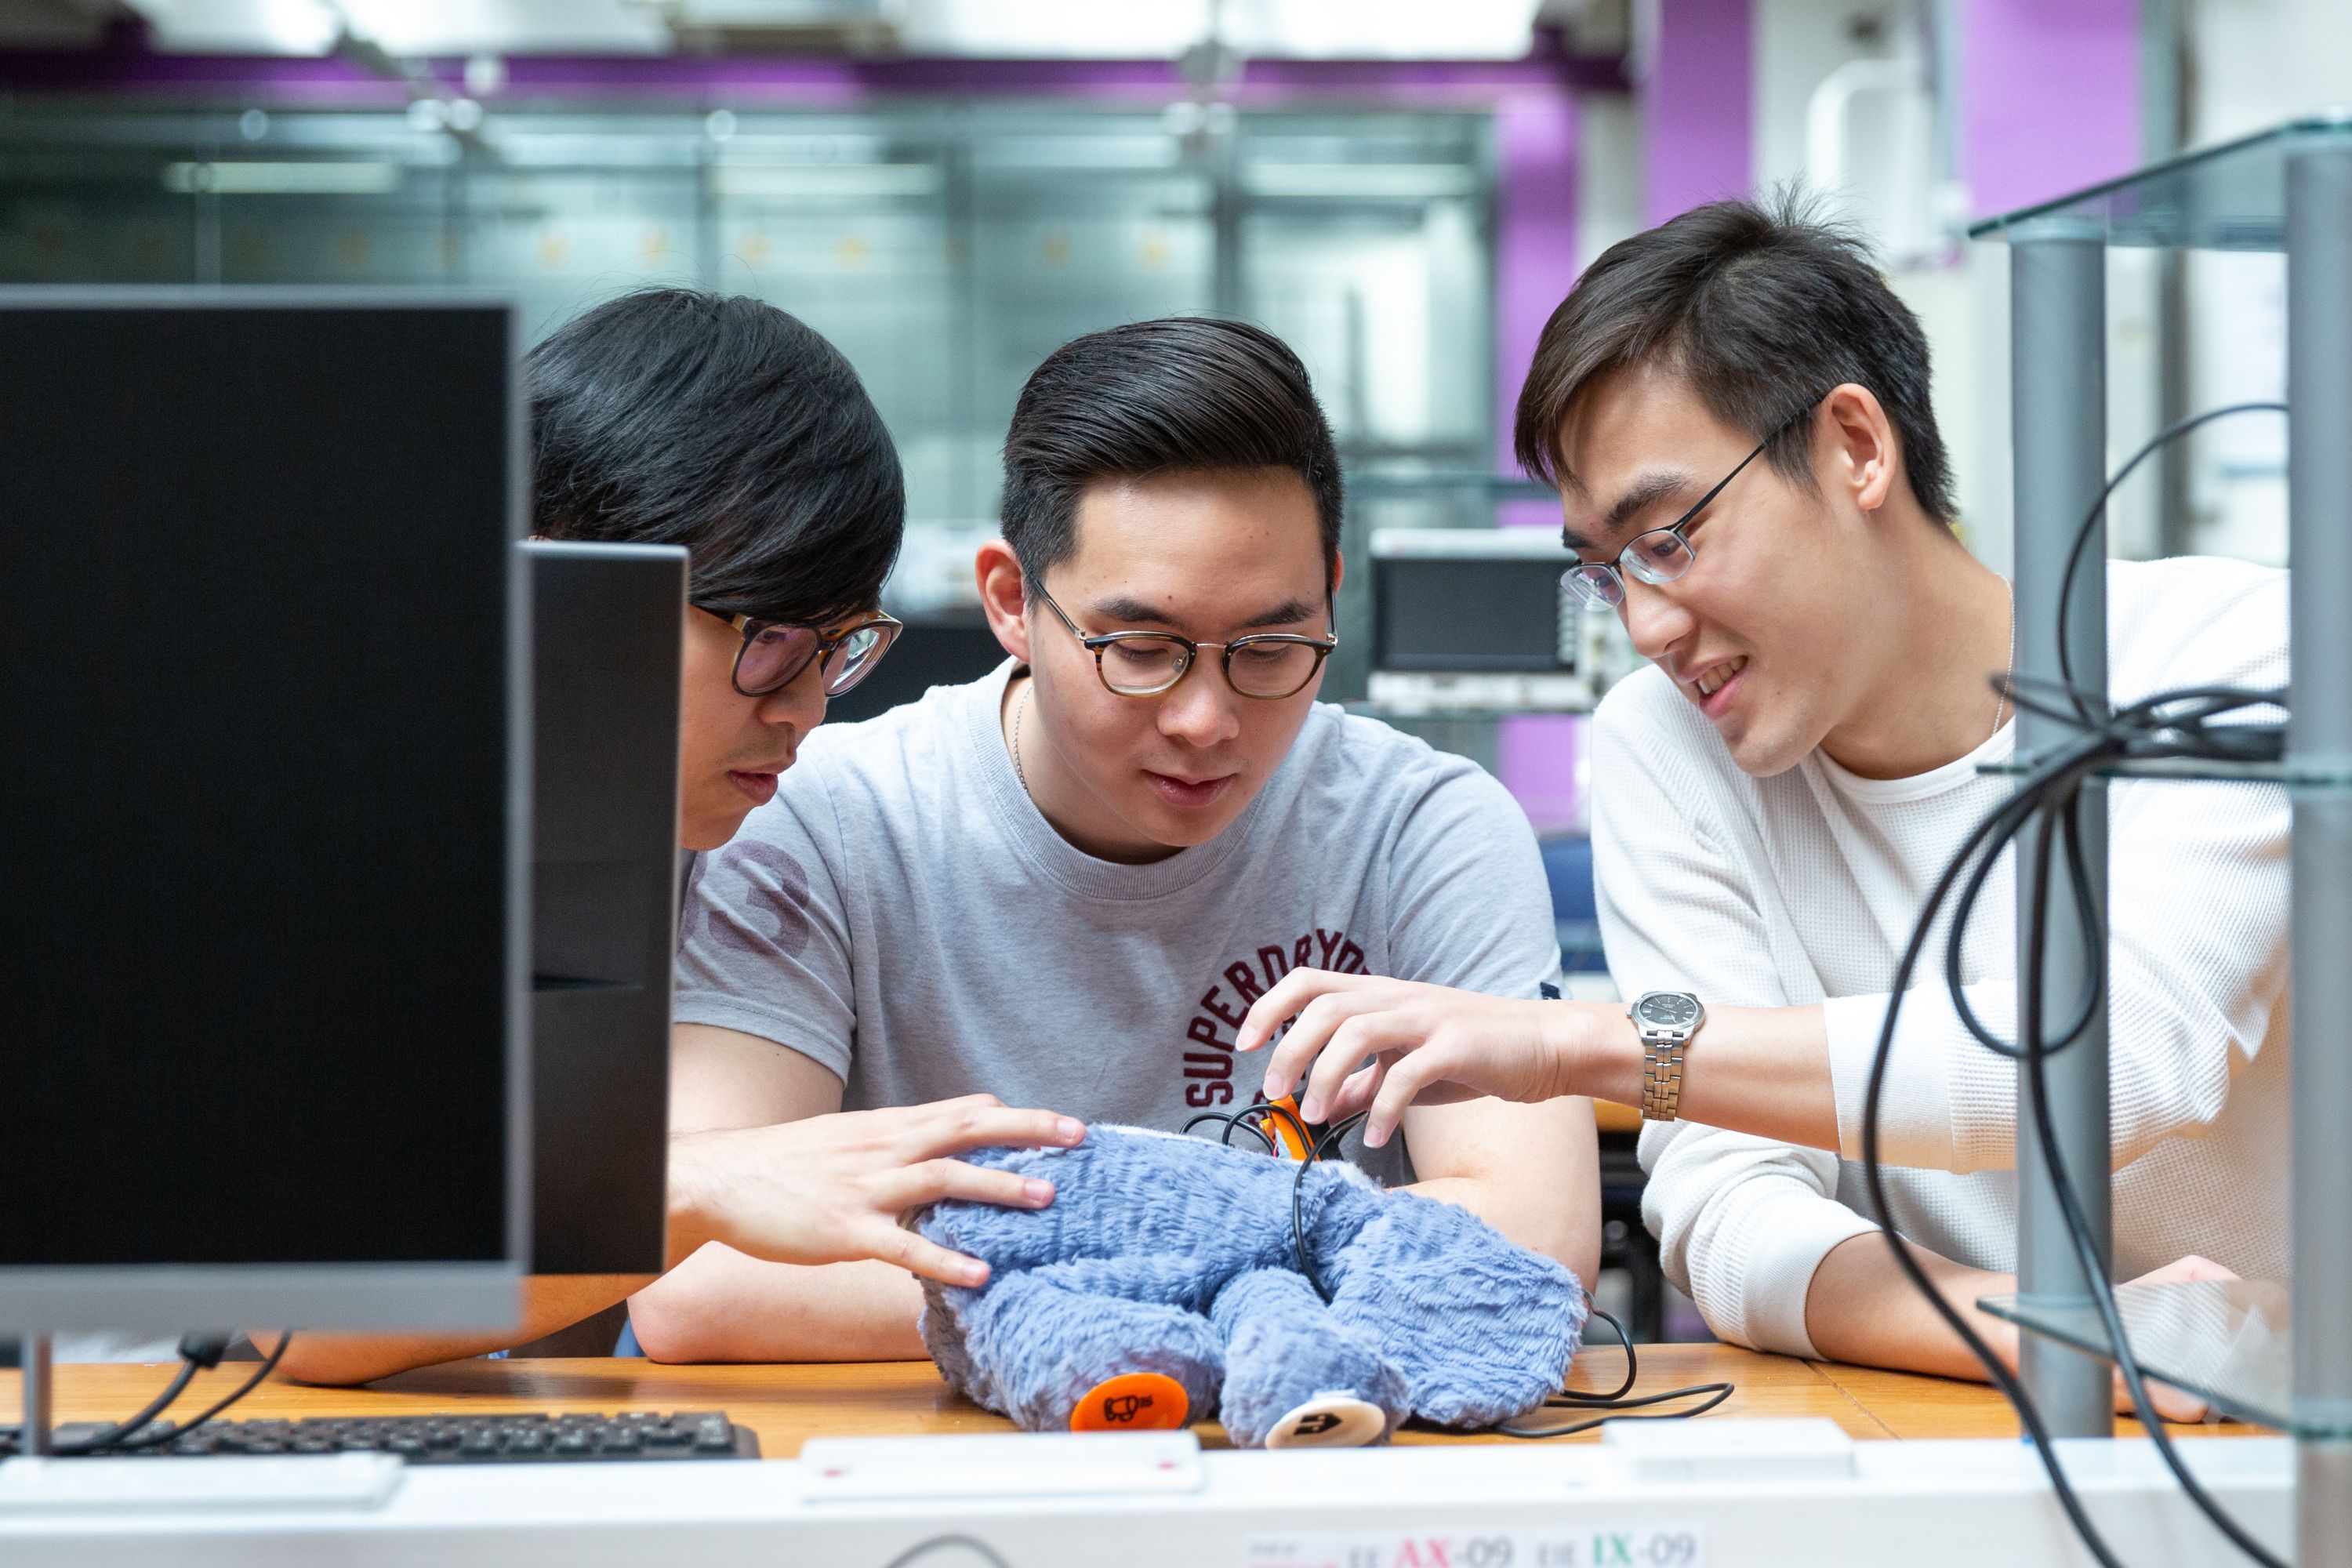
<point x="1004" y="596"/>
<point x="1339" y="573"/>
<point x="1866" y="460"/>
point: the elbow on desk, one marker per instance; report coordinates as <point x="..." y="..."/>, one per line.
<point x="679" y="1328"/>
<point x="331" y="1364"/>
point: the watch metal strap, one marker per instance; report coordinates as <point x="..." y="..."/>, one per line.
<point x="1662" y="1073"/>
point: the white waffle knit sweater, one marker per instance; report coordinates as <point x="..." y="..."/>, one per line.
<point x="1803" y="888"/>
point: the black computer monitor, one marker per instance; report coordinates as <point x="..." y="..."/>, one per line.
<point x="1472" y="600"/>
<point x="264" y="797"/>
<point x="605" y="863"/>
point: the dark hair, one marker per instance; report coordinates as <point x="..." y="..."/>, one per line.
<point x="672" y="416"/>
<point x="1759" y="309"/>
<point x="1181" y="395"/>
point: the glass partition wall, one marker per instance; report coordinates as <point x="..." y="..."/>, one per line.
<point x="946" y="247"/>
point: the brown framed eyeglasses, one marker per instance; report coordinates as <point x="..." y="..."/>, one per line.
<point x="773" y="653"/>
<point x="1265" y="665"/>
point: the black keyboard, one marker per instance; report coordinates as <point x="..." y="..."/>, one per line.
<point x="454" y="1439"/>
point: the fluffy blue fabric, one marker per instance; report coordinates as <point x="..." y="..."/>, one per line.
<point x="1174" y="1255"/>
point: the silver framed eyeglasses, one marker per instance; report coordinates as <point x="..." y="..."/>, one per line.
<point x="1661" y="554"/>
<point x="1265" y="665"/>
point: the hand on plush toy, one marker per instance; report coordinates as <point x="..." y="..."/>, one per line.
<point x="830" y="1189"/>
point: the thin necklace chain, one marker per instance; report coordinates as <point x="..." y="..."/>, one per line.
<point x="1019" y="710"/>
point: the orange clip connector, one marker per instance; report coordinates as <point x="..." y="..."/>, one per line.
<point x="1289" y="1131"/>
<point x="1133" y="1402"/>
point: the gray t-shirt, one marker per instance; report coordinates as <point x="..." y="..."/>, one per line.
<point x="902" y="914"/>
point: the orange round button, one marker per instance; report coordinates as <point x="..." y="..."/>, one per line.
<point x="1134" y="1402"/>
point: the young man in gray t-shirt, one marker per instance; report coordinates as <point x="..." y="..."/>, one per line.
<point x="1066" y="883"/>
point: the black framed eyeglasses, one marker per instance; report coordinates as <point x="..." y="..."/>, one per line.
<point x="773" y="653"/>
<point x="1660" y="555"/>
<point x="1267" y="665"/>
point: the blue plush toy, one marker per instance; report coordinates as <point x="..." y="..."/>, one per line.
<point x="1163" y="1285"/>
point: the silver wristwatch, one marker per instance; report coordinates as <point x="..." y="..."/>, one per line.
<point x="1666" y="1020"/>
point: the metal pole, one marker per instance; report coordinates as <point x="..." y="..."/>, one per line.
<point x="2058" y="321"/>
<point x="1228" y="295"/>
<point x="2164" y="131"/>
<point x="40" y="1419"/>
<point x="2319" y="735"/>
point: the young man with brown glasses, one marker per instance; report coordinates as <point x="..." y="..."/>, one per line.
<point x="1066" y="883"/>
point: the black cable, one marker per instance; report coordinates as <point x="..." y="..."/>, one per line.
<point x="268" y="1365"/>
<point x="1252" y="1118"/>
<point x="1984" y="833"/>
<point x="1244" y="1120"/>
<point x="181" y="1378"/>
<point x="2170" y="725"/>
<point x="198" y="1353"/>
<point x="922" y="1549"/>
<point x="1616" y="1402"/>
<point x="2078" y="1228"/>
<point x="2155" y="726"/>
<point x="2156" y="443"/>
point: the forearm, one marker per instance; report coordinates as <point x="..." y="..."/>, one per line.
<point x="1860" y="1307"/>
<point x="1759" y="1070"/>
<point x="1532" y="1172"/>
<point x="1548" y="1229"/>
<point x="721" y="1306"/>
<point x="548" y="1302"/>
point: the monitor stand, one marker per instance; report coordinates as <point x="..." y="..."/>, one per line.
<point x="34" y="1438"/>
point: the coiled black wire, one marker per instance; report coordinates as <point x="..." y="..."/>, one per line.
<point x="2171" y="725"/>
<point x="1622" y="1398"/>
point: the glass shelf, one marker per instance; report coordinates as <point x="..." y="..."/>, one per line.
<point x="1502" y="486"/>
<point x="2225" y="1339"/>
<point x="2296" y="776"/>
<point x="2230" y="197"/>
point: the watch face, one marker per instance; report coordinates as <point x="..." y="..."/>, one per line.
<point x="1667" y="1010"/>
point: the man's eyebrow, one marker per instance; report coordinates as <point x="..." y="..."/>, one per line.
<point x="1122" y="608"/>
<point x="1135" y="612"/>
<point x="1282" y="615"/>
<point x="1639" y="497"/>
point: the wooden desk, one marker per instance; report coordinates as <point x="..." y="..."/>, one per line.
<point x="788" y="1404"/>
<point x="1611" y="1116"/>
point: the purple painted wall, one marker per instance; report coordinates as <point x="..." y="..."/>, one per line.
<point x="1535" y="265"/>
<point x="1535" y="236"/>
<point x="2049" y="97"/>
<point x="130" y="66"/>
<point x="1536" y="757"/>
<point x="1697" y="106"/>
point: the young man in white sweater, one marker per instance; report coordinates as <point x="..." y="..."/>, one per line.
<point x="1774" y="797"/>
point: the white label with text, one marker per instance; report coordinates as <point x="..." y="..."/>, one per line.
<point x="1473" y="1546"/>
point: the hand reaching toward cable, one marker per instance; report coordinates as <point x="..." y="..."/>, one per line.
<point x="1362" y="1041"/>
